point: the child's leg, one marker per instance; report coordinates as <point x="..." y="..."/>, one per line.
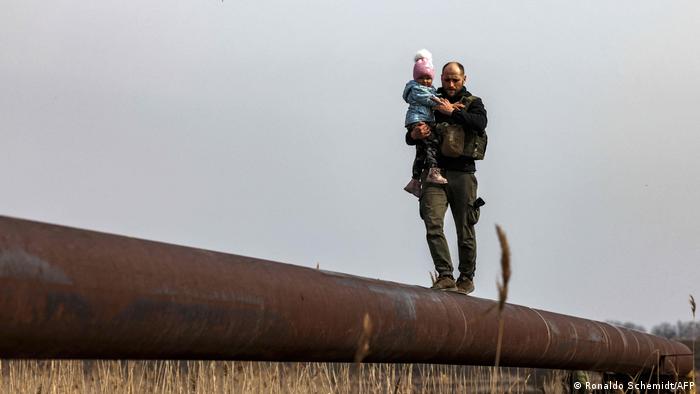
<point x="419" y="161"/>
<point x="431" y="144"/>
<point x="413" y="186"/>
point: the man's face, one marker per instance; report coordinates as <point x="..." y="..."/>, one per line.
<point x="452" y="80"/>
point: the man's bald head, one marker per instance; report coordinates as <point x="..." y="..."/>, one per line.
<point x="452" y="66"/>
<point x="453" y="78"/>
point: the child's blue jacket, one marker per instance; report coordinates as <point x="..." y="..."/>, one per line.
<point x="420" y="105"/>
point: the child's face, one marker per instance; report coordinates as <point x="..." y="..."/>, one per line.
<point x="425" y="80"/>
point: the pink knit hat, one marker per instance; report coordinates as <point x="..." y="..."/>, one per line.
<point x="424" y="64"/>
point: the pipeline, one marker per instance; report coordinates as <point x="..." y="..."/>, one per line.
<point x="72" y="293"/>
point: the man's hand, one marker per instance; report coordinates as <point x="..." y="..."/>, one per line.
<point x="420" y="131"/>
<point x="446" y="107"/>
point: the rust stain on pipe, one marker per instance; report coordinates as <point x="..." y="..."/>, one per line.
<point x="71" y="293"/>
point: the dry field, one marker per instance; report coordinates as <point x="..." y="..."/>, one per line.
<point x="72" y="376"/>
<point x="211" y="377"/>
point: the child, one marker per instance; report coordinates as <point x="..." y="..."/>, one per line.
<point x="420" y="94"/>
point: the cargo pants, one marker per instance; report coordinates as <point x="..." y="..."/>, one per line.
<point x="460" y="195"/>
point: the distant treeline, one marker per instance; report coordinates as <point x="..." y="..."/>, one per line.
<point x="688" y="330"/>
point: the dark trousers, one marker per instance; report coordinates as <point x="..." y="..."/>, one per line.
<point x="459" y="194"/>
<point x="426" y="153"/>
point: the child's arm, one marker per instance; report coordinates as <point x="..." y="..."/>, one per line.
<point x="423" y="96"/>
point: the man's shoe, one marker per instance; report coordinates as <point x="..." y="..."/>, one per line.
<point x="464" y="285"/>
<point x="445" y="283"/>
<point x="434" y="176"/>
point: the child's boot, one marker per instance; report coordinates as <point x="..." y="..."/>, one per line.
<point x="434" y="176"/>
<point x="413" y="187"/>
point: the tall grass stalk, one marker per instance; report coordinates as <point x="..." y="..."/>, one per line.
<point x="694" y="334"/>
<point x="502" y="297"/>
<point x="363" y="343"/>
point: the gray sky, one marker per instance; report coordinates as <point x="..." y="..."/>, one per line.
<point x="274" y="129"/>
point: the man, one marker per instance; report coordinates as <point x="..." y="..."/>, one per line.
<point x="460" y="191"/>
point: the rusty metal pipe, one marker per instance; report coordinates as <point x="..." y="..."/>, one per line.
<point x="71" y="293"/>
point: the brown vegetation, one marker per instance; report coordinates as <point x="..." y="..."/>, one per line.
<point x="210" y="377"/>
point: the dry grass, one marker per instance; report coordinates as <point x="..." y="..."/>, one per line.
<point x="211" y="377"/>
<point x="694" y="373"/>
<point x="502" y="297"/>
<point x="363" y="343"/>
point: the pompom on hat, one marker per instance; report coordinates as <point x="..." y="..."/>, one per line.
<point x="424" y="64"/>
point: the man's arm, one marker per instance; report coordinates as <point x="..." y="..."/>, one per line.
<point x="417" y="132"/>
<point x="409" y="139"/>
<point x="472" y="118"/>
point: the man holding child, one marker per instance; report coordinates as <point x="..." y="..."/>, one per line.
<point x="458" y="107"/>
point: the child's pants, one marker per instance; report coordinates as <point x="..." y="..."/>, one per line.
<point x="426" y="152"/>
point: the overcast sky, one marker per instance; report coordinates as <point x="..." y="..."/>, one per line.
<point x="274" y="129"/>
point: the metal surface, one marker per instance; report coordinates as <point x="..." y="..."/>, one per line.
<point x="70" y="293"/>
